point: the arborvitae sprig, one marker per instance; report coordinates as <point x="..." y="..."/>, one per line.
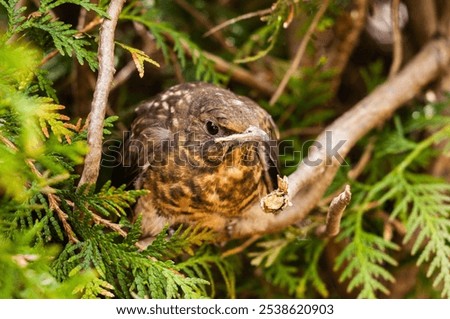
<point x="429" y="217"/>
<point x="47" y="5"/>
<point x="291" y="262"/>
<point x="183" y="240"/>
<point x="200" y="265"/>
<point x="26" y="269"/>
<point x="268" y="34"/>
<point x="365" y="257"/>
<point x="15" y="16"/>
<point x="422" y="203"/>
<point x="108" y="201"/>
<point x="65" y="39"/>
<point x="122" y="265"/>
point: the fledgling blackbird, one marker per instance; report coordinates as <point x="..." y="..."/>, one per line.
<point x="205" y="154"/>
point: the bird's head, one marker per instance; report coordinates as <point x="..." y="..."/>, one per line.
<point x="228" y="129"/>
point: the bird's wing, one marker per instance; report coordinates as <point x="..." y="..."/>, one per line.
<point x="146" y="141"/>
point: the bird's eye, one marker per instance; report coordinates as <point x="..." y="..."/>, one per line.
<point x="212" y="128"/>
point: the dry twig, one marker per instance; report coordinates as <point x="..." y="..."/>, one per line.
<point x="335" y="211"/>
<point x="390" y="224"/>
<point x="101" y="93"/>
<point x="418" y="12"/>
<point x="363" y="161"/>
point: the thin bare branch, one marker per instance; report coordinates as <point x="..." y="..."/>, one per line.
<point x="240" y="248"/>
<point x="418" y="12"/>
<point x="123" y="75"/>
<point x="363" y="161"/>
<point x="354" y="172"/>
<point x="397" y="38"/>
<point x="300" y="51"/>
<point x="249" y="15"/>
<point x="240" y="75"/>
<point x="115" y="227"/>
<point x="395" y="223"/>
<point x="101" y="93"/>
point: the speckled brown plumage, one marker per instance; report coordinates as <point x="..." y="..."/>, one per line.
<point x="205" y="154"/>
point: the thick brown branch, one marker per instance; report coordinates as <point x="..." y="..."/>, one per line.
<point x="309" y="182"/>
<point x="101" y="93"/>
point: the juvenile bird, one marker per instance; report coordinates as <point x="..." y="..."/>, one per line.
<point x="205" y="154"/>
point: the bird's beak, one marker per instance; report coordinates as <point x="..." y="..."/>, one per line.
<point x="267" y="154"/>
<point x="251" y="134"/>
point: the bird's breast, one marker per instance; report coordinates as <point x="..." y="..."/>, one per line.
<point x="194" y="189"/>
